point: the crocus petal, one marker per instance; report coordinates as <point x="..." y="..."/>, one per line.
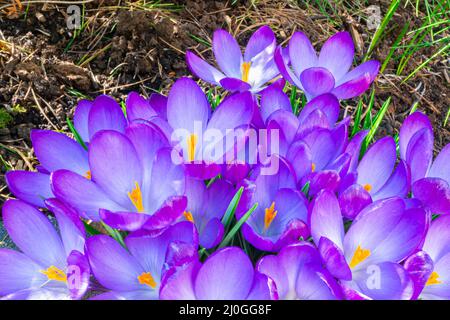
<point x="115" y="166"/>
<point x="56" y="151"/>
<point x="106" y="114"/>
<point x="353" y="200"/>
<point x="357" y="81"/>
<point x="337" y="54"/>
<point x="273" y="99"/>
<point x="323" y="147"/>
<point x="394" y="232"/>
<point x="128" y="221"/>
<point x="315" y="283"/>
<point x="420" y="154"/>
<point x="70" y="226"/>
<point x="158" y="102"/>
<point x="78" y="274"/>
<point x="81" y="193"/>
<point x="334" y="259"/>
<point x="212" y="234"/>
<point x="178" y="284"/>
<point x="226" y="275"/>
<point x="434" y="193"/>
<point x="419" y="267"/>
<point x="441" y="165"/>
<point x="301" y="53"/>
<point x="32" y="187"/>
<point x="316" y="119"/>
<point x="202" y="69"/>
<point x="18" y="272"/>
<point x="263" y="288"/>
<point x="33" y="233"/>
<point x="186" y="105"/>
<point x="299" y="155"/>
<point x="437" y="241"/>
<point x="138" y="107"/>
<point x="326" y="219"/>
<point x="317" y="81"/>
<point x="169" y="212"/>
<point x="398" y="184"/>
<point x="412" y="124"/>
<point x="150" y="251"/>
<point x="233" y="112"/>
<point x="377" y="164"/>
<point x="234" y="84"/>
<point x="227" y="52"/>
<point x="324" y="180"/>
<point x="45" y="293"/>
<point x="203" y="170"/>
<point x="284" y="68"/>
<point x="259" y="41"/>
<point x="81" y="118"/>
<point x="385" y="281"/>
<point x="112" y="265"/>
<point x="327" y="103"/>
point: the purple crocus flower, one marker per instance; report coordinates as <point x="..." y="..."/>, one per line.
<point x="228" y="274"/>
<point x="250" y="72"/>
<point x="281" y="214"/>
<point x="375" y="178"/>
<point x="329" y="72"/>
<point x="133" y="182"/>
<point x="298" y="274"/>
<point x="134" y="273"/>
<point x="201" y="136"/>
<point x="366" y="258"/>
<point x="430" y="179"/>
<point x="49" y="266"/>
<point x="429" y="268"/>
<point x="206" y="207"/>
<point x="436" y="245"/>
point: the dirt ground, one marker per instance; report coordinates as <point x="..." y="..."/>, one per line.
<point x="130" y="45"/>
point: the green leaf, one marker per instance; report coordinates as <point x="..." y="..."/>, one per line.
<point x="376" y="123"/>
<point x="76" y="134"/>
<point x="237" y="226"/>
<point x="115" y="234"/>
<point x="228" y="216"/>
<point x="90" y="229"/>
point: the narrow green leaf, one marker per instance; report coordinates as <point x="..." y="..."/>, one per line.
<point x="226" y="220"/>
<point x="376" y="123"/>
<point x="237" y="226"/>
<point x="76" y="134"/>
<point x="114" y="233"/>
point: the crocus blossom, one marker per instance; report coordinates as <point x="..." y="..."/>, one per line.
<point x="328" y="72"/>
<point x="298" y="274"/>
<point x="366" y="257"/>
<point x="48" y="265"/>
<point x="281" y="215"/>
<point x="228" y="274"/>
<point x="430" y="179"/>
<point x="239" y="73"/>
<point x="437" y="283"/>
<point x="134" y="272"/>
<point x="133" y="182"/>
<point x="200" y="136"/>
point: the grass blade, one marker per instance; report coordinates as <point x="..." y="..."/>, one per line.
<point x="237" y="226"/>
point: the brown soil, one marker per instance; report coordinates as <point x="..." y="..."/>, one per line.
<point x="43" y="73"/>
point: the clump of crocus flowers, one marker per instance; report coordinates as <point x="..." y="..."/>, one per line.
<point x="176" y="197"/>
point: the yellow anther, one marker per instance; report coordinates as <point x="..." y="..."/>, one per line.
<point x="191" y="145"/>
<point x="147" y="279"/>
<point x="367" y="187"/>
<point x="188" y="216"/>
<point x="433" y="279"/>
<point x="88" y="175"/>
<point x="54" y="273"/>
<point x="359" y="256"/>
<point x="313" y="167"/>
<point x="270" y="214"/>
<point x="245" y="70"/>
<point x="136" y="198"/>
